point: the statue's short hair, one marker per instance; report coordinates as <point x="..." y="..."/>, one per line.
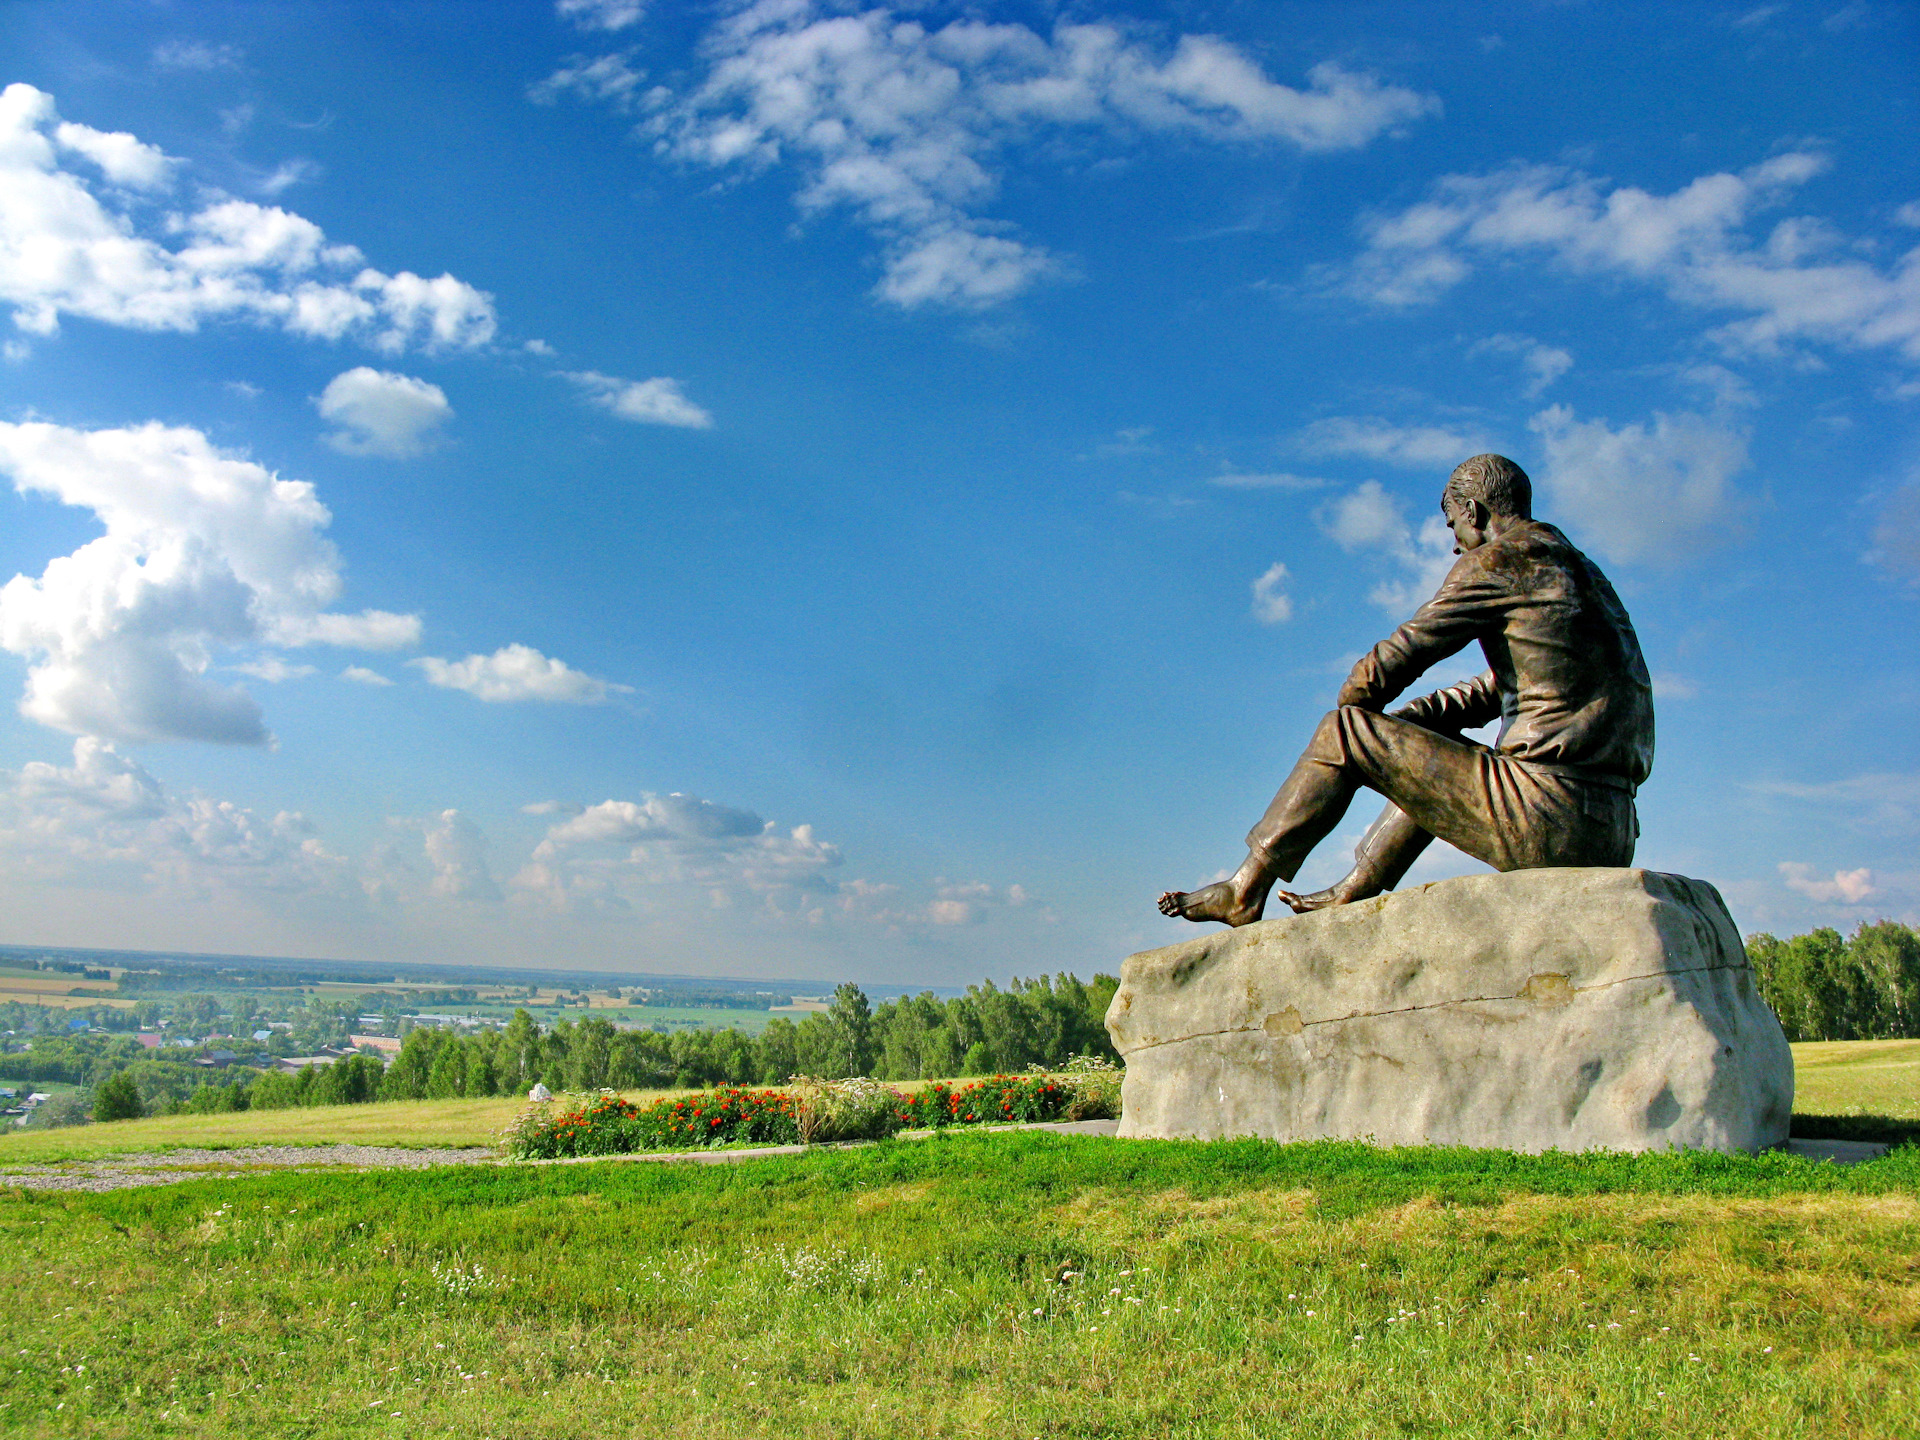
<point x="1495" y="481"/>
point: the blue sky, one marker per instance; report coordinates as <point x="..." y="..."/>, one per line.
<point x="803" y="489"/>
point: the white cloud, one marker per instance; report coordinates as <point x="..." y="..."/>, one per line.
<point x="383" y="413"/>
<point x="1271" y="603"/>
<point x="1544" y="364"/>
<point x="273" y="669"/>
<point x="622" y="852"/>
<point x="1658" y="492"/>
<point x="204" y="550"/>
<point x="1847" y="887"/>
<point x="1668" y="686"/>
<point x="608" y="79"/>
<point x="65" y="248"/>
<point x="1368" y="518"/>
<point x="602" y="14"/>
<point x="903" y="124"/>
<point x="360" y="675"/>
<point x="650" y="402"/>
<point x="1798" y="284"/>
<point x="1413" y="447"/>
<point x="195" y="55"/>
<point x="517" y="672"/>
<point x="105" y="818"/>
<point x="457" y="850"/>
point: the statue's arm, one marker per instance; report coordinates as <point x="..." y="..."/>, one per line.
<point x="1471" y="602"/>
<point x="1465" y="706"/>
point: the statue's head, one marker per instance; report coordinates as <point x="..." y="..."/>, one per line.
<point x="1495" y="482"/>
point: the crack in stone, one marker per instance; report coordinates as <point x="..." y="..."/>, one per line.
<point x="1436" y="1005"/>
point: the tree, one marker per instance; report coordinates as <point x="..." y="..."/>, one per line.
<point x="118" y="1098"/>
<point x="1889" y="955"/>
<point x="852" y="1020"/>
<point x="775" y="1052"/>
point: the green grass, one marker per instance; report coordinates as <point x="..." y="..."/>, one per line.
<point x="1858" y="1077"/>
<point x="429" y="1123"/>
<point x="981" y="1286"/>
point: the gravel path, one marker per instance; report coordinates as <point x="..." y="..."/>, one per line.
<point x="119" y="1172"/>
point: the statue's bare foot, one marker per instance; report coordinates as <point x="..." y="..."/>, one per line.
<point x="1341" y="894"/>
<point x="1215" y="902"/>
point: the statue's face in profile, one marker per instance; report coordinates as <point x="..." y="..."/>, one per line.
<point x="1468" y="520"/>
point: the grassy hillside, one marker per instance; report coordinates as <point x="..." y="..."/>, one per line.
<point x="982" y="1286"/>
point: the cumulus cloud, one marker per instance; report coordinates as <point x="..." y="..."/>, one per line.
<point x="1368" y="518"/>
<point x="1658" y="492"/>
<point x="1413" y="447"/>
<point x="105" y="817"/>
<point x="622" y="852"/>
<point x="383" y="413"/>
<point x="902" y="124"/>
<point x="1847" y="887"/>
<point x="360" y="675"/>
<point x="457" y="850"/>
<point x="204" y="551"/>
<point x="658" y="401"/>
<point x="518" y="672"/>
<point x="70" y="246"/>
<point x="1802" y="282"/>
<point x="1271" y="603"/>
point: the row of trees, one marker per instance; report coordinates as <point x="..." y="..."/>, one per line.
<point x="1824" y="987"/>
<point x="1034" y="1022"/>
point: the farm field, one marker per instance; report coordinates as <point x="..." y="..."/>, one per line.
<point x="34" y="987"/>
<point x="982" y="1286"/>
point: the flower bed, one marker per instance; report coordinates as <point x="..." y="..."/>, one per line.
<point x="996" y="1100"/>
<point x="811" y="1110"/>
<point x="606" y="1124"/>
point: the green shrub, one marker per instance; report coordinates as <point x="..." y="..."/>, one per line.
<point x="118" y="1098"/>
<point x="851" y="1109"/>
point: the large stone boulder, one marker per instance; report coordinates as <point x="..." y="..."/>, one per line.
<point x="1579" y="1009"/>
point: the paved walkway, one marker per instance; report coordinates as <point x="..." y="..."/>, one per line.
<point x="122" y="1172"/>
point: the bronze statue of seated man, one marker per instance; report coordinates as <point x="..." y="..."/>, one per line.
<point x="1565" y="678"/>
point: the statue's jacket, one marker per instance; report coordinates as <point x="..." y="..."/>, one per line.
<point x="1566" y="678"/>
